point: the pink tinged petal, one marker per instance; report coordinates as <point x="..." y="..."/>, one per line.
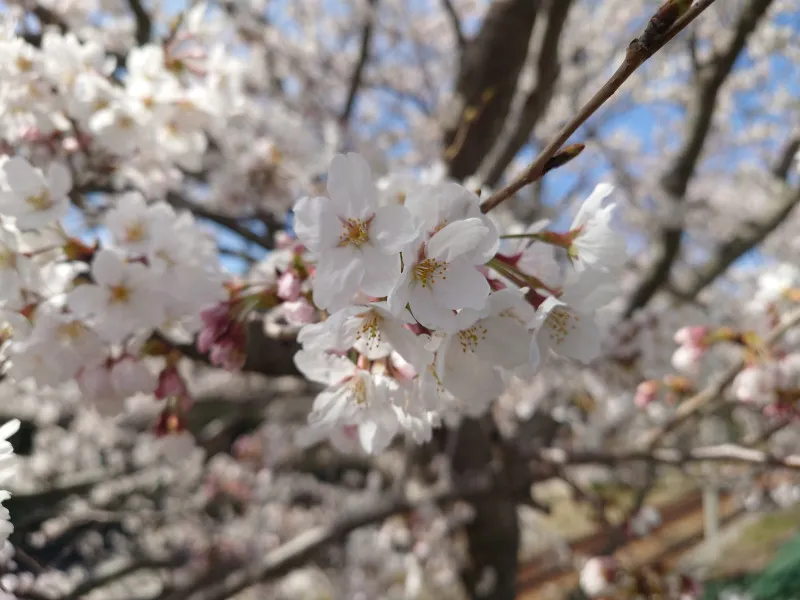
<point x="59" y="180"/>
<point x="350" y="183"/>
<point x="457" y="239"/>
<point x="392" y="228"/>
<point x="464" y="287"/>
<point x="323" y="368"/>
<point x="381" y="272"/>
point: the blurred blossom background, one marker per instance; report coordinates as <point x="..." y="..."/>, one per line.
<point x="153" y="286"/>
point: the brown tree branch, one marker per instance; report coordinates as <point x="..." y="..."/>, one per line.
<point x="363" y="57"/>
<point x="144" y="23"/>
<point x="548" y="69"/>
<point x="714" y="389"/>
<point x="724" y="453"/>
<point x="301" y="548"/>
<point x="637" y="55"/>
<point x="455" y="21"/>
<point x="675" y="181"/>
<point x="750" y="234"/>
<point x="490" y="66"/>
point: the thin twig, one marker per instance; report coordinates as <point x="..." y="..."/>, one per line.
<point x="634" y="58"/>
<point x="363" y="57"/>
<point x="299" y="549"/>
<point x="725" y="453"/>
<point x="714" y="389"/>
<point x="455" y="21"/>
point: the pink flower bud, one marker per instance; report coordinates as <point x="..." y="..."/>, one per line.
<point x="171" y="384"/>
<point x="289" y="286"/>
<point x="228" y="353"/>
<point x="646" y="392"/>
<point x="692" y="336"/>
<point x="299" y="312"/>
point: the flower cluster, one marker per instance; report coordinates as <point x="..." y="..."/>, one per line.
<point x="426" y="316"/>
<point x="85" y="312"/>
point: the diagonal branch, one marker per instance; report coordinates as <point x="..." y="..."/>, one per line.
<point x="144" y="23"/>
<point x="676" y="179"/>
<point x="299" y="549"/>
<point x="547" y="72"/>
<point x="751" y="234"/>
<point x="714" y="389"/>
<point x="723" y="453"/>
<point x="490" y="66"/>
<point x="637" y="55"/>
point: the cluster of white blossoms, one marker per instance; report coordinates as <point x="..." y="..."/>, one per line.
<point x="425" y="315"/>
<point x="84" y="313"/>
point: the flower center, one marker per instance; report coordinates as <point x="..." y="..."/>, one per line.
<point x="24" y="64"/>
<point x="355" y="232"/>
<point x="135" y="232"/>
<point x="40" y="201"/>
<point x="560" y="322"/>
<point x="470" y="338"/>
<point x="125" y="122"/>
<point x="428" y="270"/>
<point x="370" y="328"/>
<point x="71" y="331"/>
<point x="8" y="259"/>
<point x="120" y="294"/>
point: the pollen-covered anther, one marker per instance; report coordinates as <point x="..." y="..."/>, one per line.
<point x="119" y="294"/>
<point x="429" y="270"/>
<point x="355" y="232"/>
<point x="560" y="321"/>
<point x="370" y="328"/>
<point x="40" y="201"/>
<point x="470" y="338"/>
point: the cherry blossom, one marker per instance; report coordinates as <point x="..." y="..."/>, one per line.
<point x="357" y="243"/>
<point x="34" y="199"/>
